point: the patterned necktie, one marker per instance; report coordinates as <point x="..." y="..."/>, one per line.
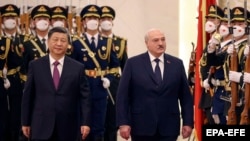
<point x="93" y="42"/>
<point x="158" y="71"/>
<point x="44" y="45"/>
<point x="56" y="75"/>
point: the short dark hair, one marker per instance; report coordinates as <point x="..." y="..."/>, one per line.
<point x="58" y="29"/>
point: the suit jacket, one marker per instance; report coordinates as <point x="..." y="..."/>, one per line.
<point x="44" y="108"/>
<point x="146" y="106"/>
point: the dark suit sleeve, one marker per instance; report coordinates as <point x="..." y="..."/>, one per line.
<point x="84" y="98"/>
<point x="186" y="100"/>
<point x="27" y="98"/>
<point x="122" y="98"/>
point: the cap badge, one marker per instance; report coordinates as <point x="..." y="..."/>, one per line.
<point x="42" y="9"/>
<point x="237" y="12"/>
<point x="10" y="8"/>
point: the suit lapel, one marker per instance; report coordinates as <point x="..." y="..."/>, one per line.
<point x="47" y="71"/>
<point x="167" y="65"/>
<point x="148" y="67"/>
<point x="65" y="70"/>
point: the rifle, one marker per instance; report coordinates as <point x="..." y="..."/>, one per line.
<point x="78" y="23"/>
<point x="191" y="69"/>
<point x="26" y="20"/>
<point x="209" y="77"/>
<point x="70" y="19"/>
<point x="244" y="114"/>
<point x="0" y="26"/>
<point x="22" y="19"/>
<point x="234" y="90"/>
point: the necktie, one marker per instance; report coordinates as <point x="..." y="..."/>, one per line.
<point x="56" y="75"/>
<point x="44" y="45"/>
<point x="93" y="42"/>
<point x="158" y="71"/>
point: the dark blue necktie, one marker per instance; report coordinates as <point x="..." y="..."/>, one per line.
<point x="158" y="71"/>
<point x="56" y="75"/>
<point x="44" y="45"/>
<point x="93" y="42"/>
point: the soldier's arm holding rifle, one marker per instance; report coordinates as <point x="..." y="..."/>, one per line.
<point x="246" y="80"/>
<point x="70" y="20"/>
<point x="78" y="24"/>
<point x="191" y="69"/>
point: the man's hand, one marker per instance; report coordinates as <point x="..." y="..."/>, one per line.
<point x="26" y="131"/>
<point x="230" y="49"/>
<point x="246" y="50"/>
<point x="125" y="131"/>
<point x="186" y="131"/>
<point x="246" y="77"/>
<point x="235" y="76"/>
<point x="206" y="84"/>
<point x="105" y="82"/>
<point x="85" y="131"/>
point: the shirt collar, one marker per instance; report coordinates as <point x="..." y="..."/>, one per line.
<point x="90" y="36"/>
<point x="152" y="58"/>
<point x="52" y="60"/>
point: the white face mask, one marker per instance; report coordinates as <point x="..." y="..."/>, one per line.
<point x="238" y="31"/>
<point x="210" y="27"/>
<point x="106" y="25"/>
<point x="10" y="24"/>
<point x="42" y="25"/>
<point x="92" y="24"/>
<point x="58" y="24"/>
<point x="223" y="30"/>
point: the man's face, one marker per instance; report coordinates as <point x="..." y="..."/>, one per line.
<point x="156" y="43"/>
<point x="58" y="43"/>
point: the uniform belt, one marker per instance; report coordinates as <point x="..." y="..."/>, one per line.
<point x="96" y="73"/>
<point x="13" y="71"/>
<point x="220" y="82"/>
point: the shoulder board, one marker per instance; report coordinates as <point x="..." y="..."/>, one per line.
<point x="74" y="37"/>
<point x="119" y="37"/>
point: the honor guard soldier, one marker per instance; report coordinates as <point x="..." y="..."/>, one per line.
<point x="59" y="16"/>
<point x="216" y="57"/>
<point x="10" y="14"/>
<point x="36" y="47"/>
<point x="5" y="43"/>
<point x="235" y="75"/>
<point x="101" y="63"/>
<point x="213" y="19"/>
<point x="120" y="47"/>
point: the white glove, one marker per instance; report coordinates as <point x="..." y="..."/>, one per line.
<point x="234" y="76"/>
<point x="106" y="82"/>
<point x="5" y="79"/>
<point x="6" y="83"/>
<point x="246" y="50"/>
<point x="211" y="48"/>
<point x="216" y="118"/>
<point x="205" y="84"/>
<point x="230" y="49"/>
<point x="246" y="77"/>
<point x="214" y="82"/>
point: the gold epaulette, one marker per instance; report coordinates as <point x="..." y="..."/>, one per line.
<point x="74" y="37"/>
<point x="121" y="38"/>
<point x="28" y="37"/>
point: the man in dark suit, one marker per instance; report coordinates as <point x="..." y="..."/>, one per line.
<point x="56" y="111"/>
<point x="148" y="102"/>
